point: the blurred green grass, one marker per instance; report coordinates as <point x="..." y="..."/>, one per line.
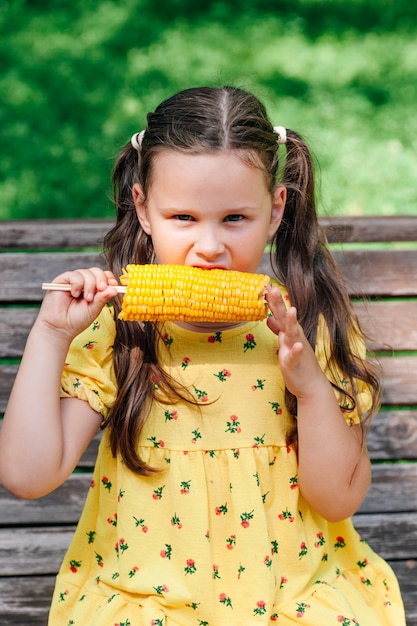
<point x="79" y="78"/>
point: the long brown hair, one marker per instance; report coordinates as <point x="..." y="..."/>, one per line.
<point x="208" y="119"/>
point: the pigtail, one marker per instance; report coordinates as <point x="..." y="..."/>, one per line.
<point x="135" y="349"/>
<point x="303" y="262"/>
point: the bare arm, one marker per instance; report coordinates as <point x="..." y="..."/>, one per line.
<point x="43" y="437"/>
<point x="334" y="470"/>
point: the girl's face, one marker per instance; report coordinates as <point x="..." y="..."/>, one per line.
<point x="209" y="210"/>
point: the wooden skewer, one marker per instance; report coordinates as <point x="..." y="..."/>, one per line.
<point x="67" y="287"/>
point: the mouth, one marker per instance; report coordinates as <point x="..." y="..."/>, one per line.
<point x="211" y="267"/>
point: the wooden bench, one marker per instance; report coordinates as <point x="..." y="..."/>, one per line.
<point x="34" y="534"/>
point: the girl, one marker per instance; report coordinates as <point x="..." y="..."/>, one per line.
<point x="232" y="455"/>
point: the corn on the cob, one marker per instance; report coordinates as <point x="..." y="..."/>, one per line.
<point x="192" y="294"/>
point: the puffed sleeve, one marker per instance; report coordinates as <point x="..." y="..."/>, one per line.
<point x="363" y="393"/>
<point x="88" y="372"/>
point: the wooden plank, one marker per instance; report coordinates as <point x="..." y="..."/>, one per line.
<point x="25" y="551"/>
<point x="25" y="601"/>
<point x="373" y="272"/>
<point x="390" y="324"/>
<point x="393" y="435"/>
<point x="399" y="380"/>
<point x="393" y="489"/>
<point x="371" y="228"/>
<point x="379" y="272"/>
<point x="22" y="274"/>
<point x="392" y="535"/>
<point x="15" y="324"/>
<point x="53" y="234"/>
<point x="61" y="506"/>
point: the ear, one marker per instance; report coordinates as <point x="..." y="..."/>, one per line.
<point x="279" y="198"/>
<point x="141" y="211"/>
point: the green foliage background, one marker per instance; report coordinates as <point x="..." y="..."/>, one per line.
<point x="78" y="77"/>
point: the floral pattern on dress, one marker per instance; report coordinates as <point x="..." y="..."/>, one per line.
<point x="221" y="534"/>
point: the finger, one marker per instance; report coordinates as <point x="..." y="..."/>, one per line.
<point x="276" y="304"/>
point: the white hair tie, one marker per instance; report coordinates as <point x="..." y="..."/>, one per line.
<point x="136" y="140"/>
<point x="282" y="133"/>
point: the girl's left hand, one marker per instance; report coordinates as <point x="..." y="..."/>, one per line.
<point x="298" y="362"/>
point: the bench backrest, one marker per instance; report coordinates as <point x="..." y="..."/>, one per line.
<point x="378" y="257"/>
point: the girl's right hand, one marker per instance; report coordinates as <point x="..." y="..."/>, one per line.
<point x="71" y="312"/>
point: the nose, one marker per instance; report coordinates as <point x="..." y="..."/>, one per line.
<point x="208" y="244"/>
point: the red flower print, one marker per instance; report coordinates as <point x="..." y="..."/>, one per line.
<point x="223" y="375"/>
<point x="301" y="608"/>
<point x="89" y="345"/>
<point x="190" y="567"/>
<point x="74" y="565"/>
<point x="303" y="550"/>
<point x="245" y="518"/>
<point x="121" y="546"/>
<point x="268" y="561"/>
<point x="233" y="425"/>
<point x="133" y="571"/>
<point x="175" y="521"/>
<point x="185" y="486"/>
<point x="196" y="435"/>
<point x="171" y="415"/>
<point x="185" y="362"/>
<point x="276" y="407"/>
<point x="260" y="384"/>
<point x="221" y="510"/>
<point x="112" y="520"/>
<point x="320" y="540"/>
<point x="157" y="443"/>
<point x="216" y="337"/>
<point x="157" y="494"/>
<point x="231" y="542"/>
<point x="260" y="608"/>
<point x="200" y="394"/>
<point x="62" y="595"/>
<point x="166" y="552"/>
<point x="340" y="543"/>
<point x="224" y="599"/>
<point x="216" y="571"/>
<point x="107" y="484"/>
<point x="250" y="343"/>
<point x="167" y="339"/>
<point x="294" y="482"/>
<point x="286" y="515"/>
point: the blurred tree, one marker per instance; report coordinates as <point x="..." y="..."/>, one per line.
<point x="78" y="77"/>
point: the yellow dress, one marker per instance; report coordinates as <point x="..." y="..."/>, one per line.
<point x="221" y="535"/>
